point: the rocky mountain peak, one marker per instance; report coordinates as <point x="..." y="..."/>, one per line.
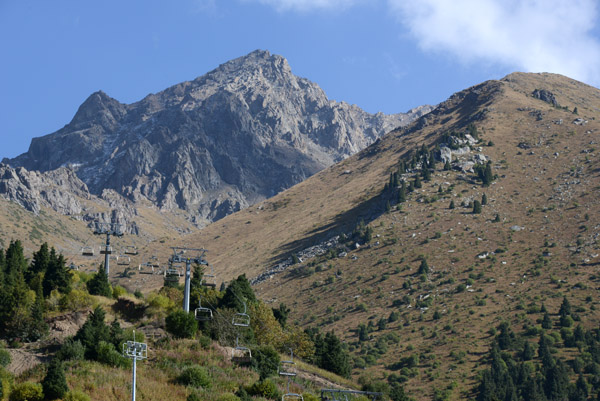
<point x="236" y="135"/>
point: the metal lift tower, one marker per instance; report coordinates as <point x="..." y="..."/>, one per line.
<point x="179" y="257"/>
<point x="136" y="351"/>
<point x="108" y="229"/>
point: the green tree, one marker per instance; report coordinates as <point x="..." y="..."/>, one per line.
<point x="476" y="207"/>
<point x="417" y="183"/>
<point x="93" y="331"/>
<point x="484" y="199"/>
<point x="98" y="284"/>
<point x="281" y="314"/>
<point x="181" y="324"/>
<point x="39" y="264"/>
<point x="57" y="276"/>
<point x="54" y="383"/>
<point x="452" y="206"/>
<point x="334" y="357"/>
<point x="238" y="291"/>
<point x="423" y="267"/>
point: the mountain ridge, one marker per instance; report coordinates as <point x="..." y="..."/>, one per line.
<point x="236" y="135"/>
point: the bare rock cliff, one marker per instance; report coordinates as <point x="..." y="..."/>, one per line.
<point x="236" y="135"/>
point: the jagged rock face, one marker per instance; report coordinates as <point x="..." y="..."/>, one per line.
<point x="57" y="189"/>
<point x="212" y="146"/>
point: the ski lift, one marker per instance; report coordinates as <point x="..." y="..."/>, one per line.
<point x="201" y="313"/>
<point x="87" y="251"/>
<point x="73" y="266"/>
<point x="154" y="261"/>
<point x="241" y="319"/>
<point x="287" y="368"/>
<point x="292" y="396"/>
<point x="106" y="250"/>
<point x="131" y="250"/>
<point x="289" y="396"/>
<point x="210" y="280"/>
<point x="240" y="354"/>
<point x="172" y="274"/>
<point x="123" y="260"/>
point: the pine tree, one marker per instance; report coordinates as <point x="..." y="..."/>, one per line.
<point x="98" y="284"/>
<point x="402" y="193"/>
<point x="488" y="177"/>
<point x="452" y="206"/>
<point x="484" y="199"/>
<point x="447" y="166"/>
<point x="54" y="383"/>
<point x="335" y="358"/>
<point x="93" y="331"/>
<point x="37" y="326"/>
<point x="237" y="291"/>
<point x="546" y="322"/>
<point x="39" y="264"/>
<point x="476" y="207"/>
<point x="57" y="276"/>
<point x="423" y="267"/>
<point x="417" y="183"/>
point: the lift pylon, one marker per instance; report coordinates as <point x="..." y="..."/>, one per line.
<point x="179" y="257"/>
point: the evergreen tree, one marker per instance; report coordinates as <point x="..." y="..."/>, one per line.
<point x="402" y="192"/>
<point x="57" y="275"/>
<point x="54" y="383"/>
<point x="196" y="284"/>
<point x="39" y="264"/>
<point x="417" y="183"/>
<point x="38" y="327"/>
<point x="281" y="314"/>
<point x="447" y="166"/>
<point x="93" y="331"/>
<point x="452" y="206"/>
<point x="423" y="267"/>
<point x="426" y="173"/>
<point x="476" y="207"/>
<point x="238" y="291"/>
<point x="335" y="358"/>
<point x="98" y="284"/>
<point x="488" y="176"/>
<point x="546" y="321"/>
<point x="484" y="199"/>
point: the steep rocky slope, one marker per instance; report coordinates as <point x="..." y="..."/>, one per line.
<point x="214" y="145"/>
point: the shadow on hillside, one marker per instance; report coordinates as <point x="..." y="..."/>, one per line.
<point x="343" y="223"/>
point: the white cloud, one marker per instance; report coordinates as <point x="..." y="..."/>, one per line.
<point x="530" y="35"/>
<point x="308" y="5"/>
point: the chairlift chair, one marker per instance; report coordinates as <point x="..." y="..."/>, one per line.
<point x="131" y="250"/>
<point x="292" y="396"/>
<point x="87" y="251"/>
<point x="154" y="261"/>
<point x="288" y="367"/>
<point x="241" y="354"/>
<point x="123" y="260"/>
<point x="241" y="319"/>
<point x="210" y="280"/>
<point x="201" y="313"/>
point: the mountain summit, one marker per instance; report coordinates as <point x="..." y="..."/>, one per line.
<point x="236" y="135"/>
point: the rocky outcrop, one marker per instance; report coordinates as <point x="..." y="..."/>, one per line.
<point x="214" y="145"/>
<point x="545" y="96"/>
<point x="57" y="189"/>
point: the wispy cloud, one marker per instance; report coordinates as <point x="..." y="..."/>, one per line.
<point x="530" y="35"/>
<point x="308" y="5"/>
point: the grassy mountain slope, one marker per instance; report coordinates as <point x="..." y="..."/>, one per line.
<point x="544" y="245"/>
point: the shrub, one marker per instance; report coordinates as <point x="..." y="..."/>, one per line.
<point x="231" y="397"/>
<point x="74" y="300"/>
<point x="195" y="376"/>
<point x="4" y="357"/>
<point x="265" y="388"/>
<point x="76" y="395"/>
<point x="118" y="291"/>
<point x="265" y="361"/>
<point x="98" y="284"/>
<point x="181" y="324"/>
<point x="27" y="391"/>
<point x="106" y="353"/>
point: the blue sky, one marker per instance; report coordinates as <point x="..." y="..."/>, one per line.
<point x="383" y="55"/>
